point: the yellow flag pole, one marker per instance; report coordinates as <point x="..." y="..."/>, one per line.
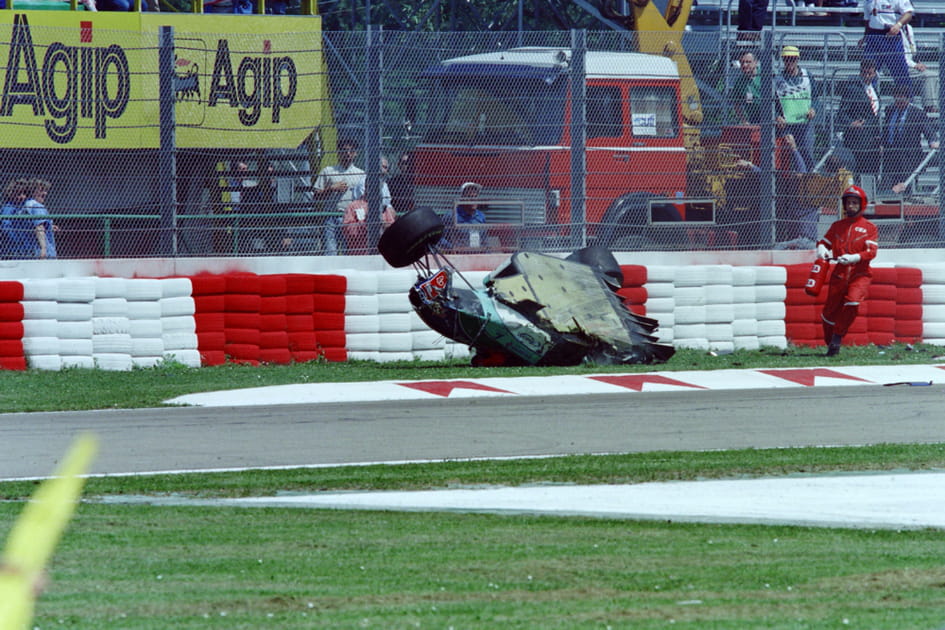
<point x="37" y="532"/>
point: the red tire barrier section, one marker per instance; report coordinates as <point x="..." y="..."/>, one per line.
<point x="891" y="312"/>
<point x="279" y="318"/>
<point x="11" y="327"/>
<point x="633" y="290"/>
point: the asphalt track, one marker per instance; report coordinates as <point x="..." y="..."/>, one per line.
<point x="283" y="434"/>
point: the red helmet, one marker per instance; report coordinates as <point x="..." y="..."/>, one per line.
<point x="858" y="193"/>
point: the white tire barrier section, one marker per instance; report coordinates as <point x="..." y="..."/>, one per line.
<point x="209" y="319"/>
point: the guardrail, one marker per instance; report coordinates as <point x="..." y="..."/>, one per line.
<point x="237" y="222"/>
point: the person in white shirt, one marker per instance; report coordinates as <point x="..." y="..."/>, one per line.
<point x="882" y="41"/>
<point x="338" y="185"/>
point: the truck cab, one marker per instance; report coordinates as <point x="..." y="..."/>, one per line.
<point x="503" y="120"/>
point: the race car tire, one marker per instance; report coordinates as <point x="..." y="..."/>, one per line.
<point x="406" y="241"/>
<point x="602" y="260"/>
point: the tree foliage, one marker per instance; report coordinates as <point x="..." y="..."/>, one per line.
<point x="456" y="15"/>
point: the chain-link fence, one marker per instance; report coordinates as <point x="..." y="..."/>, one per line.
<point x="170" y="142"/>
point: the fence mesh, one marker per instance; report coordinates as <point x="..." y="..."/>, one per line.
<point x="569" y="138"/>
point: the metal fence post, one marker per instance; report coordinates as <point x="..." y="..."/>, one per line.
<point x="167" y="158"/>
<point x="578" y="138"/>
<point x="372" y="131"/>
<point x="940" y="159"/>
<point x="767" y="186"/>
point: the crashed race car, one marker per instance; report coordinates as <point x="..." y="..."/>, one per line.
<point x="534" y="309"/>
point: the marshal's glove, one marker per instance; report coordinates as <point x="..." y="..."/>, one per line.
<point x="849" y="259"/>
<point x="822" y="252"/>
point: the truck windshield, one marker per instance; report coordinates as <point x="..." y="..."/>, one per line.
<point x="476" y="110"/>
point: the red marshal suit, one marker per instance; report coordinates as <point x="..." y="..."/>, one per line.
<point x="848" y="283"/>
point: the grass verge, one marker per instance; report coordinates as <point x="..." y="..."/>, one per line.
<point x="135" y="567"/>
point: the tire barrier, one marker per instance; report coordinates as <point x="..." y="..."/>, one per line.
<point x="717" y="308"/>
<point x="210" y="319"/>
<point x="933" y="303"/>
<point x="892" y="310"/>
<point x="12" y="356"/>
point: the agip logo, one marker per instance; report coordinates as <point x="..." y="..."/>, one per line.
<point x="70" y="83"/>
<point x="250" y="84"/>
<point x="258" y="83"/>
<point x="78" y="81"/>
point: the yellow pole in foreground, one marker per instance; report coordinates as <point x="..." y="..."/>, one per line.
<point x="37" y="532"/>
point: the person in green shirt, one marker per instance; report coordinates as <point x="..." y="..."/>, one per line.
<point x="795" y="91"/>
<point x="746" y="91"/>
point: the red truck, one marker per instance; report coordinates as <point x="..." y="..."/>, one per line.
<point x="503" y="120"/>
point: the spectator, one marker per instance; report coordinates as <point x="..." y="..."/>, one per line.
<point x="852" y="242"/>
<point x="796" y="90"/>
<point x="354" y="225"/>
<point x="385" y="175"/>
<point x="924" y="80"/>
<point x="44" y="229"/>
<point x="796" y="215"/>
<point x="468" y="213"/>
<point x="338" y="186"/>
<point x="882" y="41"/>
<point x="797" y="219"/>
<point x="903" y="129"/>
<point x="120" y="5"/>
<point x="814" y="8"/>
<point x="236" y="184"/>
<point x="243" y="7"/>
<point x="351" y="224"/>
<point x="859" y="118"/>
<point x="401" y="185"/>
<point x="17" y="233"/>
<point x="257" y="196"/>
<point x="747" y="91"/>
<point x="751" y="19"/>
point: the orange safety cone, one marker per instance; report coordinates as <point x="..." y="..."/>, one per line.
<point x="817" y="277"/>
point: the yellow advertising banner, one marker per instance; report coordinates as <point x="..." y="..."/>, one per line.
<point x="80" y="80"/>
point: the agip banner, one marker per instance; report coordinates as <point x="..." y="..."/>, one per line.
<point x="79" y="80"/>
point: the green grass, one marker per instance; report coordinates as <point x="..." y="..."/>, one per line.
<point x="132" y="566"/>
<point x="136" y="567"/>
<point x="78" y="389"/>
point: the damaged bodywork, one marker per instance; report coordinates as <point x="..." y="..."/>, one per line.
<point x="534" y="309"/>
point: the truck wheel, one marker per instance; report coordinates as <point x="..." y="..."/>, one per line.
<point x="407" y="239"/>
<point x="625" y="216"/>
<point x="602" y="260"/>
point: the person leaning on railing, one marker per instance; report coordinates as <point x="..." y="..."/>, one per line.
<point x="44" y="228"/>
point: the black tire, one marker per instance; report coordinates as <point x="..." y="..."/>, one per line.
<point x="407" y="240"/>
<point x="626" y="215"/>
<point x="602" y="260"/>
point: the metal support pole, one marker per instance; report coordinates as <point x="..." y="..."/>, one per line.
<point x="578" y="138"/>
<point x="372" y="137"/>
<point x="768" y="190"/>
<point x="167" y="154"/>
<point x="940" y="161"/>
